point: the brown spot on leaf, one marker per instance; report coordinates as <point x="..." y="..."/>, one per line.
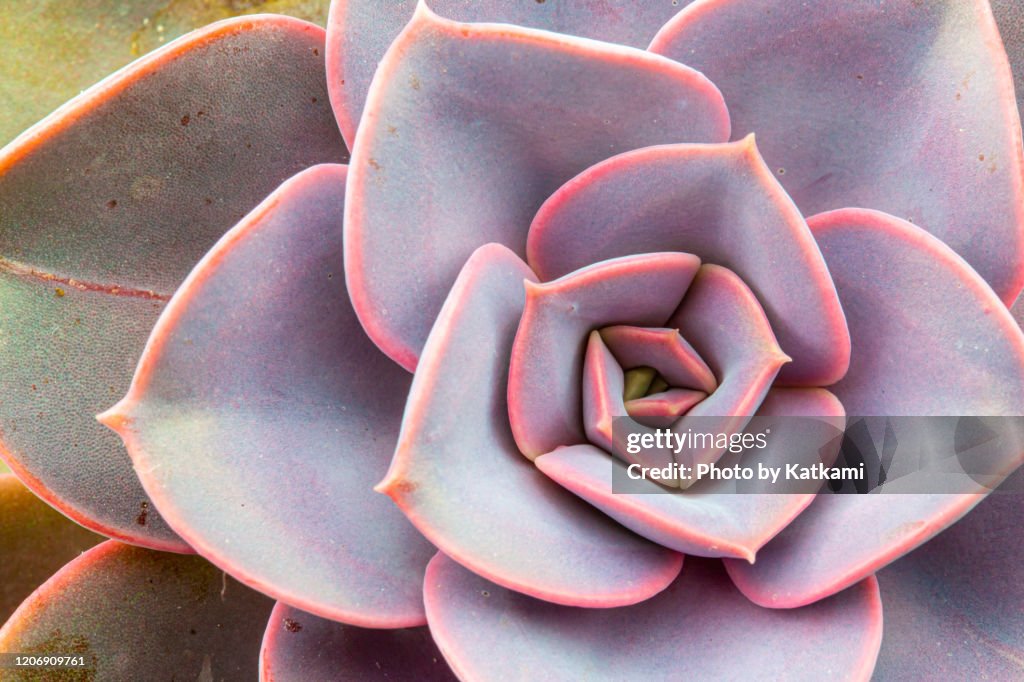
<point x="414" y="82"/>
<point x="143" y="513"/>
<point x="374" y="164"/>
<point x="60" y="292"/>
<point x="292" y="625"/>
<point x="112" y="203"/>
<point x="185" y="119"/>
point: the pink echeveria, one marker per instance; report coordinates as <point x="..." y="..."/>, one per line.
<point x="786" y="209"/>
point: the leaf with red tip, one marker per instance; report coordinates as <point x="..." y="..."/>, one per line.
<point x="35" y="541"/>
<point x="533" y="537"/>
<point x="705" y="200"/>
<point x="699" y="628"/>
<point x="106" y="206"/>
<point x="711" y="518"/>
<point x="261" y="416"/>
<point x="299" y="647"/>
<point x="468" y="128"/>
<point x="359" y="32"/>
<point x="953" y="606"/>
<point x="671" y="403"/>
<point x="604" y="412"/>
<point x="546" y="369"/>
<point x="930" y="337"/>
<point x="722" y="319"/>
<point x="135" y="614"/>
<point x="664" y="350"/>
<point x="902" y="106"/>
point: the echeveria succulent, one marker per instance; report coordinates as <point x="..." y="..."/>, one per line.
<point x="390" y="394"/>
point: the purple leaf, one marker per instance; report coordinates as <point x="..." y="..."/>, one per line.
<point x="953" y="606"/>
<point x="664" y="350"/>
<point x="711" y="518"/>
<point x="699" y="628"/>
<point x="299" y="647"/>
<point x="107" y="204"/>
<point x="546" y="368"/>
<point x="721" y="203"/>
<point x="910" y="301"/>
<point x="456" y="450"/>
<point x="135" y="614"/>
<point x="261" y="417"/>
<point x="902" y="106"/>
<point x="468" y="129"/>
<point x="359" y="32"/>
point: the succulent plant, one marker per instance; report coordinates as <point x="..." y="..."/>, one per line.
<point x="386" y="389"/>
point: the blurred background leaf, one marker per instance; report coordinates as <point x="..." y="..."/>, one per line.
<point x="50" y="50"/>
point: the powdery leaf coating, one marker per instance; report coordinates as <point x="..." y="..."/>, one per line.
<point x="359" y="32"/>
<point x="35" y="541"/>
<point x="107" y="204"/>
<point x="299" y="647"/>
<point x="177" y="616"/>
<point x="699" y="628"/>
<point x="721" y="203"/>
<point x="897" y="105"/>
<point x="710" y="519"/>
<point x="531" y="536"/>
<point x="546" y="366"/>
<point x="468" y="128"/>
<point x="261" y="416"/>
<point x="952" y="606"/>
<point x="909" y="300"/>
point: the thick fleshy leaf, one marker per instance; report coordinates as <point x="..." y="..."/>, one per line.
<point x="722" y="319"/>
<point x="50" y="50"/>
<point x="712" y="518"/>
<point x="929" y="338"/>
<point x="546" y="369"/>
<point x="468" y="128"/>
<point x="360" y="31"/>
<point x="905" y="107"/>
<point x="671" y="403"/>
<point x="699" y="628"/>
<point x="664" y="350"/>
<point x="135" y="614"/>
<point x="605" y="420"/>
<point x="106" y="206"/>
<point x="35" y="541"/>
<point x="261" y="417"/>
<point x="299" y="647"/>
<point x="704" y="200"/>
<point x="456" y="449"/>
<point x="953" y="606"/>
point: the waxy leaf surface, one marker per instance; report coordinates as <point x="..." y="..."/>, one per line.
<point x="898" y="105"/>
<point x="929" y="337"/>
<point x="699" y="628"/>
<point x="459" y="477"/>
<point x="261" y="417"/>
<point x="107" y="205"/>
<point x="720" y="203"/>
<point x="360" y="31"/>
<point x="468" y="128"/>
